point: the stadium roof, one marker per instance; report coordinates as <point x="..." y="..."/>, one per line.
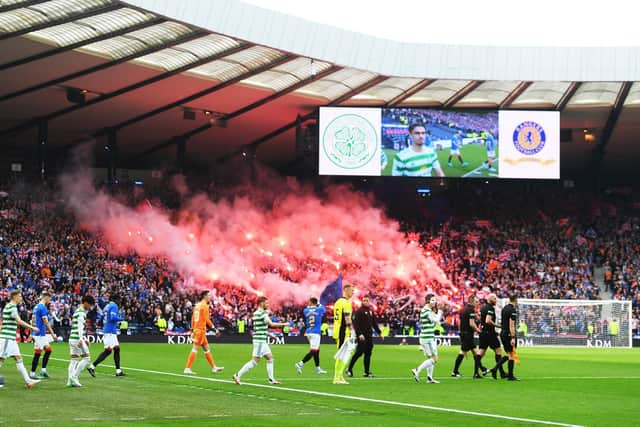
<point x="143" y="66"/>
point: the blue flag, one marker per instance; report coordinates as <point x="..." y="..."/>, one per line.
<point x="332" y="292"/>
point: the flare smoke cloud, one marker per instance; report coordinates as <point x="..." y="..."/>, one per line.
<point x="280" y="239"/>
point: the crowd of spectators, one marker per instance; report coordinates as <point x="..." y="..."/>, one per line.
<point x="508" y="245"/>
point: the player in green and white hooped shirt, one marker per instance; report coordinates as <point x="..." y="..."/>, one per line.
<point x="428" y="321"/>
<point x="261" y="322"/>
<point x="78" y="345"/>
<point x="420" y="158"/>
<point x="8" y="345"/>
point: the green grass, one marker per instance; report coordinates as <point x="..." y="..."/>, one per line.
<point x="473" y="154"/>
<point x="560" y="385"/>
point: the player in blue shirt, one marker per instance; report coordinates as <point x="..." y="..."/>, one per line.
<point x="456" y="145"/>
<point x="111" y="318"/>
<point x="43" y="338"/>
<point x="313" y="319"/>
<point x="490" y="144"/>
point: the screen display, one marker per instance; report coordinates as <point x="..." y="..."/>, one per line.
<point x="418" y="142"/>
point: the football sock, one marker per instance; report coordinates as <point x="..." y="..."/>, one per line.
<point x="459" y="360"/>
<point x="338" y="368"/>
<point x="45" y="359"/>
<point x="22" y="370"/>
<point x="430" y="371"/>
<point x="247" y="367"/>
<point x="209" y="357"/>
<point x="316" y="358"/>
<point x="425" y="365"/>
<point x="191" y="359"/>
<point x="498" y="358"/>
<point x="307" y="357"/>
<point x="72" y="367"/>
<point x="511" y="363"/>
<point x="477" y="364"/>
<point x="270" y="369"/>
<point x="81" y="365"/>
<point x="101" y="358"/>
<point x="116" y="357"/>
<point x="34" y="362"/>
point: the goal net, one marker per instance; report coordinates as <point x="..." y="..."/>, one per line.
<point x="584" y="323"/>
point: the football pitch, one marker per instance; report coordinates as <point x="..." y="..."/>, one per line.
<point x="559" y="386"/>
<point x="474" y="154"/>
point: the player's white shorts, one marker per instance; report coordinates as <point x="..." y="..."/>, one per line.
<point x="314" y="341"/>
<point x="261" y="349"/>
<point x="491" y="154"/>
<point x="455" y="152"/>
<point x="8" y="348"/>
<point x="76" y="349"/>
<point x="429" y="347"/>
<point x="40" y="343"/>
<point x="110" y="340"/>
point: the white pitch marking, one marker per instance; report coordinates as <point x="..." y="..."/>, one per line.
<point x="348" y="397"/>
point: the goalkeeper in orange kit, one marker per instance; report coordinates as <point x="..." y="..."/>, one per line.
<point x="200" y="320"/>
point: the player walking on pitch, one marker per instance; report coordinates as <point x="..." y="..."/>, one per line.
<point x="78" y="345"/>
<point x="428" y="320"/>
<point x="8" y="345"/>
<point x="313" y="317"/>
<point x="342" y="312"/>
<point x="199" y="323"/>
<point x="42" y="340"/>
<point x="261" y="323"/>
<point x="110" y="330"/>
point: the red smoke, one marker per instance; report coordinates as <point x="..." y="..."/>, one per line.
<point x="254" y="239"/>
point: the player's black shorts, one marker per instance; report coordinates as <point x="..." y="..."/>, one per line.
<point x="506" y="343"/>
<point x="489" y="341"/>
<point x="466" y="341"/>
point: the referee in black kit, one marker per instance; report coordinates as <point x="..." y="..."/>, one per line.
<point x="364" y="323"/>
<point x="468" y="326"/>
<point x="509" y="338"/>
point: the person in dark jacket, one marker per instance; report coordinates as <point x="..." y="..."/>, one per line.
<point x="364" y="323"/>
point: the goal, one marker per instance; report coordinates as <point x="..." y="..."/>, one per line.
<point x="586" y="323"/>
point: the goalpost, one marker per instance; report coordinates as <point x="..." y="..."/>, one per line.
<point x="586" y="323"/>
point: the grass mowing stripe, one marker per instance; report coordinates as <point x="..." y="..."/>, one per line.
<point x="347" y="397"/>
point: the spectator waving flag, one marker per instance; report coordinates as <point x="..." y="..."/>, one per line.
<point x="332" y="292"/>
<point x="505" y="256"/>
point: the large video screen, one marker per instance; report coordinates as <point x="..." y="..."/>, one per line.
<point x="418" y="142"/>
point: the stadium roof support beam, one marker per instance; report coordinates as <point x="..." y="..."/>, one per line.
<point x="126" y="89"/>
<point x="515" y="94"/>
<point x="461" y="93"/>
<point x="573" y="88"/>
<point x="76" y="45"/>
<point x="65" y="20"/>
<point x="409" y="92"/>
<point x="302" y="119"/>
<point x="205" y="92"/>
<point x="241" y="111"/>
<point x="282" y="93"/>
<point x="600" y="149"/>
<point x="11" y="7"/>
<point x="284" y="59"/>
<point x="101" y="67"/>
<point x="353" y="92"/>
<point x="299" y="120"/>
